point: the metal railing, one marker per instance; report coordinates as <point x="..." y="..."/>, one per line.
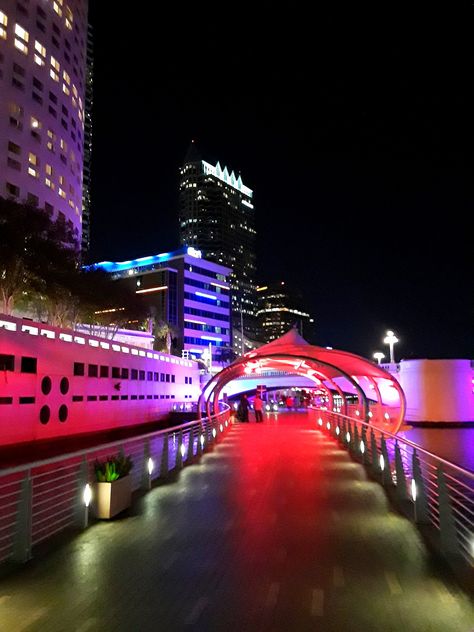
<point x="429" y="490"/>
<point x="41" y="499"/>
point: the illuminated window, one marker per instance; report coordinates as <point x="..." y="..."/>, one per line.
<point x="21" y="33"/>
<point x="57" y="8"/>
<point x="49" y="170"/>
<point x="35" y="123"/>
<point x="21" y="46"/>
<point x="74" y="90"/>
<point x="61" y="180"/>
<point x="3" y="24"/>
<point x="55" y="63"/>
<point x="39" y="60"/>
<point x="62" y="193"/>
<point x="66" y="89"/>
<point x="32" y="158"/>
<point x="63" y="144"/>
<point x="32" y="172"/>
<point x="66" y="78"/>
<point x="48" y="183"/>
<point x="39" y="48"/>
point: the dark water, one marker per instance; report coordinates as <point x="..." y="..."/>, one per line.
<point x="453" y="444"/>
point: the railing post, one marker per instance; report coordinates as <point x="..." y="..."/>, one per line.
<point x="374" y="453"/>
<point x="146" y="476"/>
<point x="23" y="527"/>
<point x="164" y="465"/>
<point x="355" y="443"/>
<point x="386" y="472"/>
<point x="199" y="444"/>
<point x="422" y="515"/>
<point x="402" y="493"/>
<point x="190" y="454"/>
<point x="365" y="456"/>
<point x="447" y="526"/>
<point x="81" y="511"/>
<point x="178" y="463"/>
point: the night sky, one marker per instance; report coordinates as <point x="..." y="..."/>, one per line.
<point x="352" y="126"/>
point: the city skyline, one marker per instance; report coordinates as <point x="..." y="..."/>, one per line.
<point x="357" y="148"/>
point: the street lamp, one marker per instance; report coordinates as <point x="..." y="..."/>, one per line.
<point x="378" y="355"/>
<point x="390" y="339"/>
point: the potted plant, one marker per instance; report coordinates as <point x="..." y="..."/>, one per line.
<point x="113" y="488"/>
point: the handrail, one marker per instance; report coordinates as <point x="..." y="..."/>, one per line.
<point x="430" y="490"/>
<point x="42" y="498"/>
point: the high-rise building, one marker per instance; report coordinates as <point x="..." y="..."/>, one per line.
<point x="184" y="290"/>
<point x="86" y="179"/>
<point x="217" y="217"/>
<point x="281" y="308"/>
<point x="42" y="88"/>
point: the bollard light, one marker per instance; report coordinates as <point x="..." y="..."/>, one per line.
<point x="338" y="430"/>
<point x="348" y="437"/>
<point x="382" y="462"/>
<point x="362" y="447"/>
<point x="150" y="466"/>
<point x="413" y="489"/>
<point x="87" y="495"/>
<point x="202" y="440"/>
<point x="182" y="449"/>
<point x="214" y="433"/>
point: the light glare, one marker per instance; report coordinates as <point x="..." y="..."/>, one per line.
<point x="87" y="496"/>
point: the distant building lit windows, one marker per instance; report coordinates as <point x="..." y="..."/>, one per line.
<point x="3" y="25"/>
<point x="32" y="172"/>
<point x="32" y="158"/>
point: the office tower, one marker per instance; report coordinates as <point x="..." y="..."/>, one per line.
<point x="279" y="309"/>
<point x="186" y="291"/>
<point x="217" y="217"/>
<point x="42" y="88"/>
<point x="86" y="180"/>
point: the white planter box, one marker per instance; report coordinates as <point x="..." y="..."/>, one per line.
<point x="112" y="498"/>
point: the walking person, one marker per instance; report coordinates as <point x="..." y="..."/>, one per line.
<point x="258" y="407"/>
<point x="243" y="409"/>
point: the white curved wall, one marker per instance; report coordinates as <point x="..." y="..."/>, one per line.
<point x="437" y="390"/>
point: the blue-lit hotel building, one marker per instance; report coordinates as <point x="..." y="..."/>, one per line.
<point x="186" y="291"/>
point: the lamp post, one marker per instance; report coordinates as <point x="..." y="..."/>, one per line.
<point x="242" y="348"/>
<point x="390" y="339"/>
<point x="378" y="355"/>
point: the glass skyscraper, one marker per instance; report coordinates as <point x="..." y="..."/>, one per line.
<point x="217" y="217"/>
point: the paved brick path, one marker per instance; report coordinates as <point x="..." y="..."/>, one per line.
<point x="276" y="529"/>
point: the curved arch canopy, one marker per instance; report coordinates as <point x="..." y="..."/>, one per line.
<point x="351" y="373"/>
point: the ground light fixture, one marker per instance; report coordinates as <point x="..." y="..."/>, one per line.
<point x="87" y="497"/>
<point x="328" y="425"/>
<point x="362" y="447"/>
<point x="202" y="441"/>
<point x="150" y="466"/>
<point x="348" y="437"/>
<point x="214" y="433"/>
<point x="338" y="430"/>
<point x="320" y="421"/>
<point x="221" y="428"/>
<point x="182" y="449"/>
<point x="382" y="462"/>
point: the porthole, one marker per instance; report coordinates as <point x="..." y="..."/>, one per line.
<point x="63" y="412"/>
<point x="45" y="414"/>
<point x="46" y="385"/>
<point x="64" y="385"/>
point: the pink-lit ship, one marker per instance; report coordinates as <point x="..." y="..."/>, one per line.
<point x="59" y="382"/>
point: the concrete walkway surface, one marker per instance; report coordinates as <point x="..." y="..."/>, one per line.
<point x="276" y="529"/>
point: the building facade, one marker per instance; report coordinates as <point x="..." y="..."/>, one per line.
<point x="86" y="179"/>
<point x="42" y="88"/>
<point x="217" y="216"/>
<point x="281" y="308"/>
<point x="186" y="291"/>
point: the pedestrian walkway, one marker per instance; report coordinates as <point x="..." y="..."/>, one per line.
<point x="276" y="529"/>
